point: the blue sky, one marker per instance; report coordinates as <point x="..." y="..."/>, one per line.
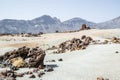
<point x="92" y="10"/>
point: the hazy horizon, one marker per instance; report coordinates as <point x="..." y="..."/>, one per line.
<point x="91" y="10"/>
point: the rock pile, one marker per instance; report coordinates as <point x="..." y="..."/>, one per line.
<point x="79" y="44"/>
<point x="74" y="44"/>
<point x="12" y="75"/>
<point x="107" y="41"/>
<point x="115" y="40"/>
<point x="7" y="75"/>
<point x="23" y="57"/>
<point x="111" y="40"/>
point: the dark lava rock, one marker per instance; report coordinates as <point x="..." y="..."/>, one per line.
<point x="52" y="61"/>
<point x="48" y="69"/>
<point x="116" y="52"/>
<point x="7" y="75"/>
<point x="40" y="74"/>
<point x="74" y="44"/>
<point x="60" y="59"/>
<point x="14" y="68"/>
<point x="32" y="76"/>
<point x="35" y="70"/>
<point x="23" y="57"/>
<point x="83" y="37"/>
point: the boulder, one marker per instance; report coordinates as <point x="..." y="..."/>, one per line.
<point x="83" y="37"/>
<point x="84" y="27"/>
<point x="24" y="57"/>
<point x="60" y="59"/>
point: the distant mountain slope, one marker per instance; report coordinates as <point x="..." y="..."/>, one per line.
<point x="42" y="24"/>
<point x="111" y="24"/>
<point x="49" y="24"/>
<point x="76" y="23"/>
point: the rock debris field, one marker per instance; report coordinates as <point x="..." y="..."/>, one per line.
<point x="81" y="55"/>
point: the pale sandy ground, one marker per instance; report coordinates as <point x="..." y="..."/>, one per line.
<point x="96" y="60"/>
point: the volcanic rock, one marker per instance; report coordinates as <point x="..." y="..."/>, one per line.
<point x="74" y="44"/>
<point x="60" y="59"/>
<point x="84" y="27"/>
<point x="32" y="76"/>
<point x="24" y="57"/>
<point x="40" y="74"/>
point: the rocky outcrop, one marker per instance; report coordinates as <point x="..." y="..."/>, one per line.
<point x="84" y="27"/>
<point x="74" y="44"/>
<point x="24" y="57"/>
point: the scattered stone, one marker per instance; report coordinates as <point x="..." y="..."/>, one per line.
<point x="40" y="74"/>
<point x="32" y="76"/>
<point x="100" y="78"/>
<point x="83" y="37"/>
<point x="41" y="67"/>
<point x="14" y="68"/>
<point x="115" y="40"/>
<point x="35" y="70"/>
<point x="52" y="48"/>
<point x="60" y="59"/>
<point x="48" y="69"/>
<point x="116" y="52"/>
<point x="7" y="75"/>
<point x="80" y="44"/>
<point x="50" y="61"/>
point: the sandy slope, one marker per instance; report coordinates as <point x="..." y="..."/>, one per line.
<point x="96" y="60"/>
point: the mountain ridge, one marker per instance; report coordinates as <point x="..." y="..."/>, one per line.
<point x="48" y="24"/>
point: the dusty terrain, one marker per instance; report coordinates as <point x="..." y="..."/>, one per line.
<point x="88" y="64"/>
